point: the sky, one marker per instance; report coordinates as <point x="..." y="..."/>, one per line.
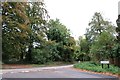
<point x="76" y="14"/>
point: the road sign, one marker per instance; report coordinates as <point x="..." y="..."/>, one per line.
<point x="104" y="62"/>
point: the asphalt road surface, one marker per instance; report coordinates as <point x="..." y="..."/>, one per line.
<point x="55" y="73"/>
<point x="65" y="72"/>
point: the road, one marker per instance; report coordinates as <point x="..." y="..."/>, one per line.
<point x="51" y="72"/>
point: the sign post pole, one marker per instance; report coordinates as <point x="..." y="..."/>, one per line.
<point x="108" y="66"/>
<point x="102" y="65"/>
<point x="105" y="62"/>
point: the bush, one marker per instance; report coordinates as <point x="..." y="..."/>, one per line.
<point x="96" y="67"/>
<point x="39" y="56"/>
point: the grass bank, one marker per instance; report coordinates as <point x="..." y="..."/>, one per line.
<point x="96" y="67"/>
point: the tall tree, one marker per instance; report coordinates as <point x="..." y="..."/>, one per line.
<point x="98" y="33"/>
<point x="57" y="31"/>
<point x="102" y="46"/>
<point x="60" y="34"/>
<point x="38" y="16"/>
<point x="14" y="29"/>
<point x="22" y="25"/>
<point x="98" y="25"/>
<point x="84" y="49"/>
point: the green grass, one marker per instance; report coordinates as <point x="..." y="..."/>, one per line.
<point x="96" y="67"/>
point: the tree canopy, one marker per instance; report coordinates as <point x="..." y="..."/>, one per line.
<point x="29" y="35"/>
<point x="21" y="26"/>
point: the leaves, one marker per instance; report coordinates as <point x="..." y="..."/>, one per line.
<point x="100" y="37"/>
<point x="21" y="28"/>
<point x="60" y="34"/>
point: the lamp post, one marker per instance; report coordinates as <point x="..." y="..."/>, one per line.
<point x="118" y="23"/>
<point x="118" y="28"/>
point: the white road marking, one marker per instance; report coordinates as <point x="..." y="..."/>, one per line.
<point x="25" y="71"/>
<point x="12" y="72"/>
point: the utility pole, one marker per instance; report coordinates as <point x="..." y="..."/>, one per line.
<point x="118" y="34"/>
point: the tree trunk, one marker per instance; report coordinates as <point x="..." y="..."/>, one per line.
<point x="117" y="61"/>
<point x="111" y="60"/>
<point x="21" y="56"/>
<point x="28" y="55"/>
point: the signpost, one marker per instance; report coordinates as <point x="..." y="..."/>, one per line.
<point x="104" y="62"/>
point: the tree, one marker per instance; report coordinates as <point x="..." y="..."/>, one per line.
<point x="98" y="25"/>
<point x="14" y="29"/>
<point x="103" y="45"/>
<point x="45" y="53"/>
<point x="60" y="34"/>
<point x="57" y="31"/>
<point x="59" y="46"/>
<point x="100" y="36"/>
<point x="23" y="24"/>
<point x="84" y="49"/>
<point x="38" y="17"/>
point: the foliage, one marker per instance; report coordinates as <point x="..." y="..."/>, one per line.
<point x="14" y="29"/>
<point x="57" y="31"/>
<point x="38" y="17"/>
<point x="102" y="47"/>
<point x="28" y="36"/>
<point x="46" y="53"/>
<point x="96" y="67"/>
<point x="100" y="38"/>
<point x="21" y="27"/>
<point x="39" y="56"/>
<point x="98" y="25"/>
<point x="60" y="34"/>
<point x="83" y="50"/>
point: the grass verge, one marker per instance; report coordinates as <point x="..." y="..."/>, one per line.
<point x="96" y="67"/>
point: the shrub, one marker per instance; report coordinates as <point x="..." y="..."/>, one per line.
<point x="39" y="56"/>
<point x="96" y="67"/>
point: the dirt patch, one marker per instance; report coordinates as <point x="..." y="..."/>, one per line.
<point x="15" y="66"/>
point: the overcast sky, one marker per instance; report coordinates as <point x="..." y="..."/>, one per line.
<point x="76" y="14"/>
